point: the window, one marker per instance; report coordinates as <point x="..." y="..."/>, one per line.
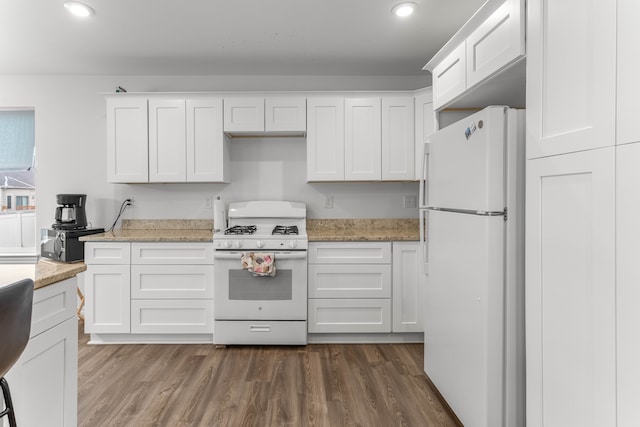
<point x="9" y="202"/>
<point x="17" y="139"/>
<point x="22" y="202"/>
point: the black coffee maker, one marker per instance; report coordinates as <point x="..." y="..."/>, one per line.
<point x="62" y="243"/>
<point x="71" y="214"/>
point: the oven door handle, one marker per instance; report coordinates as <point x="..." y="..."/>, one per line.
<point x="277" y="255"/>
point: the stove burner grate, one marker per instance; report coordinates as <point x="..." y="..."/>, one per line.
<point x="241" y="229"/>
<point x="285" y="229"/>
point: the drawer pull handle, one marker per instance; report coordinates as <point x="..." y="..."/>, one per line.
<point x="260" y="328"/>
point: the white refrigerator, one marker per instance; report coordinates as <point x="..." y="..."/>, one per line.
<point x="472" y="240"/>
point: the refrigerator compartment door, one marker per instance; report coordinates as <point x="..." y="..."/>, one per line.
<point x="466" y="163"/>
<point x="464" y="314"/>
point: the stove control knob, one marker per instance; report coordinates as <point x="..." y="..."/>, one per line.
<point x="238" y="244"/>
<point x="227" y="244"/>
<point x="293" y="244"/>
<point x="260" y="244"/>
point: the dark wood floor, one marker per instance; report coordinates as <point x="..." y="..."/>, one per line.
<point x="205" y="385"/>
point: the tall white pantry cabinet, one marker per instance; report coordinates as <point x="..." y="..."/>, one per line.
<point x="583" y="237"/>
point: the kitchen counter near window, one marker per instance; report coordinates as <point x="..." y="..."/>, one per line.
<point x="318" y="230"/>
<point x="45" y="272"/>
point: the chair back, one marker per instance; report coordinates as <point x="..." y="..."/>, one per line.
<point x="16" y="303"/>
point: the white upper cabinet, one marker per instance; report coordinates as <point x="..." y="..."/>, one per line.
<point x="280" y="115"/>
<point x="286" y="115"/>
<point x="477" y="67"/>
<point x="398" y="143"/>
<point x="362" y="139"/>
<point x="167" y="140"/>
<point x="325" y="139"/>
<point x="628" y="70"/>
<point x="207" y="146"/>
<point x="498" y="41"/>
<point x="127" y="140"/>
<point x="450" y="77"/>
<point x="571" y="69"/>
<point x="243" y="115"/>
<point x="424" y="126"/>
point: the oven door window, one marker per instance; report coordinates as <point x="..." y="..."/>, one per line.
<point x="243" y="286"/>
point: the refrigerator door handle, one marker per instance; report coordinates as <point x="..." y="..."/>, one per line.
<point x="423" y="196"/>
<point x="423" y="241"/>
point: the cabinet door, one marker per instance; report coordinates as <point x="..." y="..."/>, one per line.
<point x="325" y="139"/>
<point x="496" y="43"/>
<point x="207" y="146"/>
<point x="362" y="140"/>
<point x="243" y="115"/>
<point x="571" y="68"/>
<point x="44" y="381"/>
<point x="406" y="296"/>
<point x="398" y="145"/>
<point x="167" y="140"/>
<point x="628" y="70"/>
<point x="425" y="126"/>
<point x="449" y="77"/>
<point x="285" y="115"/>
<point x="127" y="140"/>
<point x="627" y="289"/>
<point x="107" y="299"/>
<point x="570" y="292"/>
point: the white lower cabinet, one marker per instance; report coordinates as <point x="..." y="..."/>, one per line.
<point x="407" y="295"/>
<point x="160" y="288"/>
<point x="363" y="287"/>
<point x="44" y="380"/>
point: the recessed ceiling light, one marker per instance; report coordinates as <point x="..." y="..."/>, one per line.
<point x="79" y="9"/>
<point x="403" y="9"/>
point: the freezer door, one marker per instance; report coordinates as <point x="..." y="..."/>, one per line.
<point x="465" y="166"/>
<point x="463" y="314"/>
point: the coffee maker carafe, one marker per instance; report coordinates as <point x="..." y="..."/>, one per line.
<point x="70" y="215"/>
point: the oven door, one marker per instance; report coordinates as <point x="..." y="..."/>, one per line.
<point x="239" y="295"/>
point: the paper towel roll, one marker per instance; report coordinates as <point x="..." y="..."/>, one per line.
<point x="219" y="215"/>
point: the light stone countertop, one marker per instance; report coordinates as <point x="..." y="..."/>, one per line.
<point x="318" y="230"/>
<point x="44" y="273"/>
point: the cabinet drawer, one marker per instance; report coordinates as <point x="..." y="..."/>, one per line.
<point x="53" y="305"/>
<point x="350" y="253"/>
<point x="349" y="281"/>
<point x="107" y="253"/>
<point x="349" y="315"/>
<point x="171" y="281"/>
<point x="171" y="317"/>
<point x="171" y="253"/>
<point x="260" y="332"/>
<point x="495" y="43"/>
<point x="449" y="77"/>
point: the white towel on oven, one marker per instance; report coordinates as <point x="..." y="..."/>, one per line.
<point x="259" y="263"/>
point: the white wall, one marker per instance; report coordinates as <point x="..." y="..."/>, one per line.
<point x="71" y="138"/>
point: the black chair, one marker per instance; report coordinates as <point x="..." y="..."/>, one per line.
<point x="16" y="303"/>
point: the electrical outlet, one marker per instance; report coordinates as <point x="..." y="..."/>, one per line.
<point x="208" y="202"/>
<point x="130" y="202"/>
<point x="328" y="202"/>
<point x="410" y="201"/>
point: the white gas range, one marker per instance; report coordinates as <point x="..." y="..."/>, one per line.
<point x="252" y="307"/>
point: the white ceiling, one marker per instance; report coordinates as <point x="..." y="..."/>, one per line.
<point x="212" y="37"/>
